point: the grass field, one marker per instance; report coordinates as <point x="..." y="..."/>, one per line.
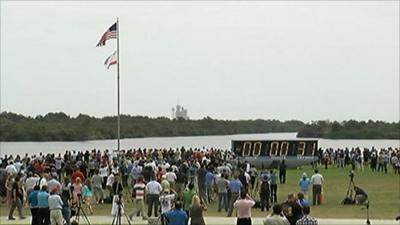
<point x="383" y="190"/>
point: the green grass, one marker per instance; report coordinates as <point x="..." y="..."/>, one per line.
<point x="383" y="190"/>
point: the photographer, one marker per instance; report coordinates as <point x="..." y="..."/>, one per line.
<point x="117" y="189"/>
<point x="276" y="217"/>
<point x="244" y="205"/>
<point x="360" y="195"/>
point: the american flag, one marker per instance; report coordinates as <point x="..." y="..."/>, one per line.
<point x="111" y="33"/>
<point x="111" y="60"/>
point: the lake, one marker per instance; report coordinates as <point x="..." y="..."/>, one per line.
<point x="218" y="141"/>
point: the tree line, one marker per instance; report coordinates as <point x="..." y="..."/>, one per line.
<point x="62" y="127"/>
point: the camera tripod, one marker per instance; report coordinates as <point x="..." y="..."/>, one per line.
<point x="368" y="222"/>
<point x="117" y="217"/>
<point x="350" y="188"/>
<point x="79" y="210"/>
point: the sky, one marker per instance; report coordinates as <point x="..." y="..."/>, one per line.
<point x="227" y="60"/>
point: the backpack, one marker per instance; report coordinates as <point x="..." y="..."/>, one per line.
<point x="348" y="201"/>
<point x="265" y="188"/>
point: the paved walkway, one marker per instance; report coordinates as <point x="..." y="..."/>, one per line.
<point x="216" y="221"/>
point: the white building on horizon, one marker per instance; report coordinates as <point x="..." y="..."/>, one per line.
<point x="179" y="112"/>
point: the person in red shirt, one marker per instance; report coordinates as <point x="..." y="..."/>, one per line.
<point x="77" y="173"/>
<point x="39" y="167"/>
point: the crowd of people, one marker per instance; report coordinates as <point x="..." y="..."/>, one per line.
<point x="173" y="184"/>
<point x="378" y="160"/>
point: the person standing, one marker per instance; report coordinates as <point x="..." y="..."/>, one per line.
<point x="116" y="191"/>
<point x="176" y="216"/>
<point x="235" y="186"/>
<point x="244" y="205"/>
<point x="292" y="210"/>
<point x="187" y="197"/>
<point x="153" y="190"/>
<point x="210" y="183"/>
<point x="138" y="198"/>
<point x="307" y="219"/>
<point x="55" y="206"/>
<point x="301" y="201"/>
<point x="33" y="204"/>
<point x="222" y="186"/>
<point x="104" y="172"/>
<point x="265" y="191"/>
<point x="43" y="207"/>
<point x="87" y="195"/>
<point x="276" y="217"/>
<point x="98" y="193"/>
<point x="166" y="199"/>
<point x="201" y="183"/>
<point x="304" y="183"/>
<point x="196" y="211"/>
<point x="171" y="177"/>
<point x="274" y="187"/>
<point x="317" y="181"/>
<point x="282" y="172"/>
<point x="109" y="184"/>
<point x="180" y="184"/>
<point x="17" y="197"/>
<point x="66" y="199"/>
<point x="77" y="189"/>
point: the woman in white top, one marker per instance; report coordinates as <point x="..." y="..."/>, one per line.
<point x="166" y="199"/>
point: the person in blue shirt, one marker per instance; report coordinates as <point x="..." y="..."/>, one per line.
<point x="304" y="183"/>
<point x="43" y="205"/>
<point x="33" y="204"/>
<point x="302" y="202"/>
<point x="235" y="187"/>
<point x="210" y="182"/>
<point x="176" y="216"/>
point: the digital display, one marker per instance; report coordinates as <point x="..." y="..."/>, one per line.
<point x="275" y="148"/>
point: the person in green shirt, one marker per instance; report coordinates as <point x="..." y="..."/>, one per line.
<point x="187" y="197"/>
<point x="274" y="187"/>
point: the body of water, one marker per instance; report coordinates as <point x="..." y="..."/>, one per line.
<point x="218" y="141"/>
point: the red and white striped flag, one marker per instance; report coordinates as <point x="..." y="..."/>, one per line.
<point x="111" y="60"/>
<point x="111" y="33"/>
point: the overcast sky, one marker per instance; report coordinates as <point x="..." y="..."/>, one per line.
<point x="227" y="60"/>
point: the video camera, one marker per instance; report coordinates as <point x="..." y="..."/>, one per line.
<point x="351" y="175"/>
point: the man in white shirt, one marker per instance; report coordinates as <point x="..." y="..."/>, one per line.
<point x="11" y="168"/>
<point x="18" y="165"/>
<point x="31" y="181"/>
<point x="109" y="183"/>
<point x="153" y="190"/>
<point x="103" y="171"/>
<point x="317" y="180"/>
<point x="171" y="177"/>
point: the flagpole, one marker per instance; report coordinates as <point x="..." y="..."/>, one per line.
<point x="118" y="62"/>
